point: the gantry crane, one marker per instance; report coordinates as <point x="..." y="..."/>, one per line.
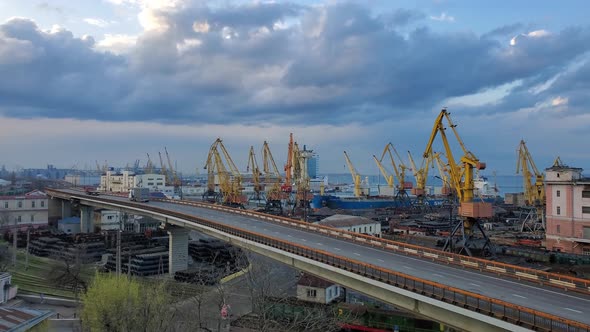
<point x="271" y="173"/>
<point x="356" y="177"/>
<point x="253" y="167"/>
<point x="399" y="169"/>
<point x="461" y="179"/>
<point x="534" y="194"/>
<point x="230" y="181"/>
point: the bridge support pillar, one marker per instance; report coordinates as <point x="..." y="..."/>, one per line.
<point x="86" y="222"/>
<point x="66" y="209"/>
<point x="178" y="249"/>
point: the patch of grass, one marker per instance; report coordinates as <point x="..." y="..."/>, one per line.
<point x="35" y="278"/>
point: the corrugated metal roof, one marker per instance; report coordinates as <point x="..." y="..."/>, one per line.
<point x="21" y="319"/>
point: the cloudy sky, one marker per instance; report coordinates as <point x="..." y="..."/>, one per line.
<point x="113" y="80"/>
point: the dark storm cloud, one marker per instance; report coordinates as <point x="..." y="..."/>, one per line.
<point x="276" y="62"/>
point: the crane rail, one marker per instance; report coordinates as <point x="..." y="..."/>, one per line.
<point x="506" y="311"/>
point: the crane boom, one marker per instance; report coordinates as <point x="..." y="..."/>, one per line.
<point x="149" y="167"/>
<point x="271" y="170"/>
<point x="388" y="177"/>
<point x="356" y="178"/>
<point x="399" y="168"/>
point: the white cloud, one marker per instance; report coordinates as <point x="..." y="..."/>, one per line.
<point x="559" y="101"/>
<point x="538" y="33"/>
<point x="118" y="43"/>
<point x="97" y="22"/>
<point x="533" y="34"/>
<point x="443" y="17"/>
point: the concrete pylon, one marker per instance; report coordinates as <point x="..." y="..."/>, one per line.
<point x="178" y="249"/>
<point x="86" y="222"/>
<point x="66" y="209"/>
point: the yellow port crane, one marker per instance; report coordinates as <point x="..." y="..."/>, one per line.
<point x="173" y="174"/>
<point x="420" y="175"/>
<point x="399" y="168"/>
<point x="443" y="171"/>
<point x="163" y="169"/>
<point x="388" y="177"/>
<point x="230" y="181"/>
<point x="462" y="181"/>
<point x="271" y="171"/>
<point x="356" y="177"/>
<point x="534" y="193"/>
<point x="253" y="167"/>
<point x="149" y="166"/>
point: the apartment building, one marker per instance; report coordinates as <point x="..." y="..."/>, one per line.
<point x="23" y="211"/>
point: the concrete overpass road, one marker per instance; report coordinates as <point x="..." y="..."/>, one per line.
<point x="569" y="305"/>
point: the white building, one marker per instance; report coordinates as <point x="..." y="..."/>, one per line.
<point x="106" y="220"/>
<point x="122" y="182"/>
<point x="22" y="211"/>
<point x="313" y="289"/>
<point x="352" y="224"/>
<point x="117" y="182"/>
<point x="7" y="291"/>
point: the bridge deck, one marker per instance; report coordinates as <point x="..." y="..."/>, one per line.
<point x="568" y="305"/>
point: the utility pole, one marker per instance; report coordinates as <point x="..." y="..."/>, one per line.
<point x="27" y="252"/>
<point x="14" y="234"/>
<point x="118" y="258"/>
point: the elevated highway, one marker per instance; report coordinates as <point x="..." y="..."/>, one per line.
<point x="466" y="293"/>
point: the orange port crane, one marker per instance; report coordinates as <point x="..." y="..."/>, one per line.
<point x="230" y="181"/>
<point x="288" y="185"/>
<point x="462" y="180"/>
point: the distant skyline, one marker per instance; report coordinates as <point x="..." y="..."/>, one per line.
<point x="115" y="79"/>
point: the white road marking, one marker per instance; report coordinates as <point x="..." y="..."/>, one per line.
<point x="357" y="254"/>
<point x="337" y="249"/>
<point x="574" y="310"/>
<point x="304" y="240"/>
<point x="382" y="261"/>
<point x="476" y="285"/>
<point x="522" y="297"/>
<point x="438" y="275"/>
<point x="289" y="236"/>
<point x="319" y="244"/>
<point x="407" y="267"/>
